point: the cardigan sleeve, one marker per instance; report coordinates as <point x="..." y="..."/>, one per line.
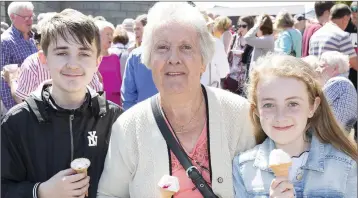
<point x="118" y="167"/>
<point x="246" y="138"/>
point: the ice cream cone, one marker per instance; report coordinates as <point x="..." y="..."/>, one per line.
<point x="281" y="170"/>
<point x="81" y="165"/>
<point x="166" y="193"/>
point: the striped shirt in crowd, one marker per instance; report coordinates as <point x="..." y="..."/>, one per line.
<point x="33" y="73"/>
<point x="331" y="38"/>
<point x="14" y="50"/>
<point x="342" y="97"/>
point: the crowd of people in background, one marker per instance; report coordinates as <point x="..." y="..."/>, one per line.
<point x="243" y="82"/>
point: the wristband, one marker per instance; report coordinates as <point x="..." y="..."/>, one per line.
<point x="35" y="190"/>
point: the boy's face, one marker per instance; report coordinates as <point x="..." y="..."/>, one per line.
<point x="71" y="65"/>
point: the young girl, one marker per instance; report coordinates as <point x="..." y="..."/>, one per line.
<point x="289" y="112"/>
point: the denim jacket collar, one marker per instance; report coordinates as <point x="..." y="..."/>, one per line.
<point x="314" y="162"/>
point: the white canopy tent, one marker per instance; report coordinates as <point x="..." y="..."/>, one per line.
<point x="254" y="8"/>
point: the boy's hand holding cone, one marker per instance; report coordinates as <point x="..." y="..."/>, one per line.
<point x="81" y="165"/>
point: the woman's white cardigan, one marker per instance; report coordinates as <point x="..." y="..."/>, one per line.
<point x="138" y="156"/>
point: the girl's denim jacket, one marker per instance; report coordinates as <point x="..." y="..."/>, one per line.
<point x="327" y="173"/>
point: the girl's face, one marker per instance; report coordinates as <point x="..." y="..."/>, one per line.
<point x="284" y="108"/>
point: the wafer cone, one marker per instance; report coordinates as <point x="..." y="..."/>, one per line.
<point x="166" y="193"/>
<point x="81" y="169"/>
<point x="281" y="170"/>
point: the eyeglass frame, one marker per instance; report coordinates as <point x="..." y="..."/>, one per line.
<point x="26" y="18"/>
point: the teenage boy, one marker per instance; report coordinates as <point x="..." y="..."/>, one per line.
<point x="60" y="121"/>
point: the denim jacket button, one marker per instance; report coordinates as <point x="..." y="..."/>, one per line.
<point x="220" y="180"/>
<point x="299" y="176"/>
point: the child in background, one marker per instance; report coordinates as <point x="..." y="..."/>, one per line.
<point x="290" y="112"/>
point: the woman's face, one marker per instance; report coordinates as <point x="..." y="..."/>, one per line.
<point x="106" y="38"/>
<point x="242" y="28"/>
<point x="176" y="60"/>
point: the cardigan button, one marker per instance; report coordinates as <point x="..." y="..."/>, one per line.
<point x="220" y="180"/>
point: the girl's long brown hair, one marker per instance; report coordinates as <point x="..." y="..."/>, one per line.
<point x="325" y="125"/>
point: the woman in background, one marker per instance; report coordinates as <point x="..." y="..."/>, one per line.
<point x="109" y="68"/>
<point x="260" y="37"/>
<point x="239" y="58"/>
<point x="289" y="39"/>
<point x="222" y="25"/>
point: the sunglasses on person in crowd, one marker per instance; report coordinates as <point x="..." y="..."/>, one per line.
<point x="26" y="17"/>
<point x="243" y="26"/>
<point x="354" y="9"/>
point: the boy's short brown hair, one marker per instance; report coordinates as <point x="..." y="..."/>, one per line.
<point x="70" y="22"/>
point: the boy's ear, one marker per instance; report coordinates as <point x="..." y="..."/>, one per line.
<point x="99" y="60"/>
<point x="42" y="57"/>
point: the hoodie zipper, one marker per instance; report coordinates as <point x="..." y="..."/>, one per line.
<point x="71" y="132"/>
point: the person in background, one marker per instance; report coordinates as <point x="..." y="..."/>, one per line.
<point x="137" y="83"/>
<point x="61" y="121"/>
<point x="4" y="27"/>
<point x="33" y="71"/>
<point x="290" y="112"/>
<point x="322" y="10"/>
<point x="339" y="91"/>
<point x="332" y="37"/>
<point x="110" y="67"/>
<point x="352" y="30"/>
<point x="99" y="18"/>
<point x="119" y="46"/>
<point x="211" y="125"/>
<point x="289" y="39"/>
<point x="127" y="24"/>
<point x="17" y="43"/>
<point x="138" y="28"/>
<point x="241" y="57"/>
<point x="300" y="22"/>
<point x="260" y="37"/>
<point x="221" y="30"/>
<point x="218" y="67"/>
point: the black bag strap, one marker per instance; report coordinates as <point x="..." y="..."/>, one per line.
<point x="191" y="171"/>
<point x="233" y="41"/>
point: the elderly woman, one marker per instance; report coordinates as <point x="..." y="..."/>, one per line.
<point x="110" y="67"/>
<point x="339" y="91"/>
<point x="208" y="125"/>
<point x="289" y="39"/>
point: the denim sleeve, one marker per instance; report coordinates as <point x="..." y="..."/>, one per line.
<point x="351" y="188"/>
<point x="129" y="91"/>
<point x="239" y="186"/>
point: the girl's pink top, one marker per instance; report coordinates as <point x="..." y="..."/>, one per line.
<point x="110" y="69"/>
<point x="201" y="156"/>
